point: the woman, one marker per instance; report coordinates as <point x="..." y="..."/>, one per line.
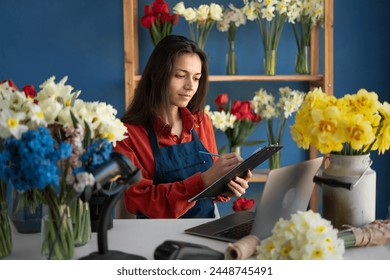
<point x="166" y="130"/>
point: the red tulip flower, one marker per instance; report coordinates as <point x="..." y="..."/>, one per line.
<point x="29" y="91"/>
<point x="10" y="83"/>
<point x="221" y="100"/>
<point x="243" y="204"/>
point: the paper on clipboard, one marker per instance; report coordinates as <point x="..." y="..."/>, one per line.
<point x="220" y="185"/>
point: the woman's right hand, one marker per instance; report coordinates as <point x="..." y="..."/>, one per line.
<point x="224" y="164"/>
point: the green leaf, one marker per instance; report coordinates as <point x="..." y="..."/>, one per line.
<point x="253" y="142"/>
<point x="87" y="135"/>
<point x="74" y="97"/>
<point x="74" y="119"/>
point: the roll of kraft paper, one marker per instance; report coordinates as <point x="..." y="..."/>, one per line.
<point x="243" y="248"/>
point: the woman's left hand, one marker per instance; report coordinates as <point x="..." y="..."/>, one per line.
<point x="238" y="185"/>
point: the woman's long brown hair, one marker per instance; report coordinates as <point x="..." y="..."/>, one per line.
<point x="151" y="93"/>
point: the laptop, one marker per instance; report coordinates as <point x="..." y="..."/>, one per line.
<point x="286" y="191"/>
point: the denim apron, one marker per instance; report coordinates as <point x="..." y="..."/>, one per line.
<point x="178" y="162"/>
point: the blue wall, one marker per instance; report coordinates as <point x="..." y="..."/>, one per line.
<point x="79" y="39"/>
<point x="84" y="40"/>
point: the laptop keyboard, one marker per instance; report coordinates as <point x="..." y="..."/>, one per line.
<point x="238" y="231"/>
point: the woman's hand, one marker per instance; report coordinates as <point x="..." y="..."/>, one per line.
<point x="223" y="165"/>
<point x="238" y="185"/>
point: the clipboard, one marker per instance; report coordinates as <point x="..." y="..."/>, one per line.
<point x="220" y="185"/>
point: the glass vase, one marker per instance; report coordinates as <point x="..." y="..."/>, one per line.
<point x="26" y="215"/>
<point x="81" y="219"/>
<point x="270" y="62"/>
<point x="5" y="232"/>
<point x="236" y="149"/>
<point x="231" y="68"/>
<point x="302" y="60"/>
<point x="274" y="161"/>
<point x="57" y="240"/>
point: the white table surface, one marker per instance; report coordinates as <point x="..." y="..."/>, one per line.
<point x="141" y="237"/>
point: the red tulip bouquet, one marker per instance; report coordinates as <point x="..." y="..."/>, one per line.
<point x="158" y="20"/>
<point x="237" y="121"/>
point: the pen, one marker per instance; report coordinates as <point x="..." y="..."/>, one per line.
<point x="206" y="153"/>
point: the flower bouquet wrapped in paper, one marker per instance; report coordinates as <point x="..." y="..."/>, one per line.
<point x="375" y="233"/>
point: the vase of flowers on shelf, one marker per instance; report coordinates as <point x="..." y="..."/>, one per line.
<point x="200" y="20"/>
<point x="232" y="18"/>
<point x="158" y="20"/>
<point x="271" y="17"/>
<point x="345" y="130"/>
<point x="310" y="15"/>
<point x="63" y="139"/>
<point x="236" y="120"/>
<point x="276" y="114"/>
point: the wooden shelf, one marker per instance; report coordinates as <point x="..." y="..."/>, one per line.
<point x="259" y="78"/>
<point x="325" y="80"/>
<point x="259" y="176"/>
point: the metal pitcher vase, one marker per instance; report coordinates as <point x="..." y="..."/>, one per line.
<point x="348" y="190"/>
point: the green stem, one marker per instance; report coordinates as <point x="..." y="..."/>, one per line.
<point x="81" y="222"/>
<point x="57" y="239"/>
<point x="282" y="125"/>
<point x="231" y="68"/>
<point x="5" y="232"/>
<point x="270" y="133"/>
<point x="348" y="237"/>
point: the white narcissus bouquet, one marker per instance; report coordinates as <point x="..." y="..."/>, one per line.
<point x="232" y="19"/>
<point x="305" y="236"/>
<point x="310" y="15"/>
<point x="200" y="20"/>
<point x="58" y="100"/>
<point x="276" y="113"/>
<point x="270" y="16"/>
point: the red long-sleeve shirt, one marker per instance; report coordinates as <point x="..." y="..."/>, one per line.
<point x="168" y="200"/>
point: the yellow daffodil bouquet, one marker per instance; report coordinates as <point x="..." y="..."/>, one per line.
<point x="354" y="124"/>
